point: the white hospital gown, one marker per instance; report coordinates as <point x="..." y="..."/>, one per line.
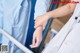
<point x="68" y="38"/>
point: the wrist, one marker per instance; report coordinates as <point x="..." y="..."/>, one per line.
<point x="40" y="27"/>
<point x="49" y="15"/>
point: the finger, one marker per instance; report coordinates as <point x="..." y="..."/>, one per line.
<point x="38" y="42"/>
<point x="33" y="41"/>
<point x="33" y="46"/>
<point x="36" y="25"/>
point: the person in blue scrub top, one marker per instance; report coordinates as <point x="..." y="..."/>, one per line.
<point x="14" y="19"/>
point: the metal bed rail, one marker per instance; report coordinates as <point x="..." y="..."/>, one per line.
<point x="18" y="44"/>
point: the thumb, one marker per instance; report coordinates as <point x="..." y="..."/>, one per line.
<point x="36" y="25"/>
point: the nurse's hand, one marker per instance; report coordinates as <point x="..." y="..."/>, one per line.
<point x="41" y="21"/>
<point x="37" y="37"/>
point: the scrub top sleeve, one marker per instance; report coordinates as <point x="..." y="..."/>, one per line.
<point x="41" y="7"/>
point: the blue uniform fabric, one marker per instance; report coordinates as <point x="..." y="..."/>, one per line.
<point x="14" y="19"/>
<point x="41" y="7"/>
<point x="31" y="26"/>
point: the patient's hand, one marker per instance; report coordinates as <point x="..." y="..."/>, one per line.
<point x="37" y="37"/>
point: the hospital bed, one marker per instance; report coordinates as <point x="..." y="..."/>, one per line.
<point x="23" y="48"/>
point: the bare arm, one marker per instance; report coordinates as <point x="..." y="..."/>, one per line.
<point x="62" y="11"/>
<point x="59" y="12"/>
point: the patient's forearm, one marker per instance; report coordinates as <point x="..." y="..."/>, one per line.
<point x="62" y="11"/>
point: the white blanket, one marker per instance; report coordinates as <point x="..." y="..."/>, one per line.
<point x="68" y="39"/>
